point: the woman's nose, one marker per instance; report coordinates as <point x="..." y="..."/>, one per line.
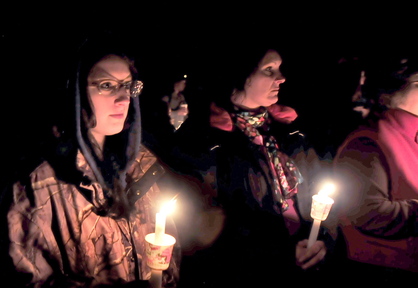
<point x="280" y="79"/>
<point x="123" y="97"/>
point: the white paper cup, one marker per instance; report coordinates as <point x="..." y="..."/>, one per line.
<point x="159" y="256"/>
<point x="321" y="205"/>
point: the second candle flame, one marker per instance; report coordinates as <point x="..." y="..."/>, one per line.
<point x="168" y="207"/>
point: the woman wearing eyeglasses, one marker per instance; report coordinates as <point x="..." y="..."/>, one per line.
<point x="79" y="219"/>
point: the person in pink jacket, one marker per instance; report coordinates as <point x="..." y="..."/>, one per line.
<point x="377" y="202"/>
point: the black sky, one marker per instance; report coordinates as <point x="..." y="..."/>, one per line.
<point x="37" y="39"/>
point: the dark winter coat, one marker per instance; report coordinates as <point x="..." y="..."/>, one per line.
<point x="254" y="244"/>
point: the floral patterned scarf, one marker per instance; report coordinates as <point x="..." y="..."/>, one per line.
<point x="286" y="175"/>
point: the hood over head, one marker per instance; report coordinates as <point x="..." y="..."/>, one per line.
<point x="119" y="150"/>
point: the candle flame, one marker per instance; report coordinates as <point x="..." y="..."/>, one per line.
<point x="168" y="207"/>
<point x="327" y="189"/>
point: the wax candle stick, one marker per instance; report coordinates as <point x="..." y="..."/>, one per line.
<point x="160" y="220"/>
<point x="156" y="278"/>
<point x="159" y="227"/>
<point x="314" y="232"/>
<point x="321" y="205"/>
<point x="159" y="239"/>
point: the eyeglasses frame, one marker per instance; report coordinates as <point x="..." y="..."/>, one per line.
<point x="134" y="91"/>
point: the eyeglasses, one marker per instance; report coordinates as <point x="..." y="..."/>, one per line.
<point x="109" y="87"/>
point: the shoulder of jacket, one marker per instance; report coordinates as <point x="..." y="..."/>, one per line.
<point x="364" y="135"/>
<point x="145" y="158"/>
<point x="43" y="176"/>
<point x="145" y="171"/>
<point x="363" y="140"/>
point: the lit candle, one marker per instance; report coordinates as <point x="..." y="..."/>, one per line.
<point x="321" y="205"/>
<point x="161" y="219"/>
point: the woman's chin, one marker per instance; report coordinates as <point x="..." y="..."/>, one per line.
<point x="271" y="101"/>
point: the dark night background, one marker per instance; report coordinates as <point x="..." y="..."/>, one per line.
<point x="37" y="41"/>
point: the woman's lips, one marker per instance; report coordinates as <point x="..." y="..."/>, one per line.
<point x="117" y="116"/>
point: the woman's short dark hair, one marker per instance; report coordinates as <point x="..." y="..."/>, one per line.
<point x="391" y="75"/>
<point x="227" y="69"/>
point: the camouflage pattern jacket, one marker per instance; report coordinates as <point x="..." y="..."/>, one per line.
<point x="58" y="240"/>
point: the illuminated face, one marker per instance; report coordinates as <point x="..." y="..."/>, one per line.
<point x="263" y="85"/>
<point x="110" y="106"/>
